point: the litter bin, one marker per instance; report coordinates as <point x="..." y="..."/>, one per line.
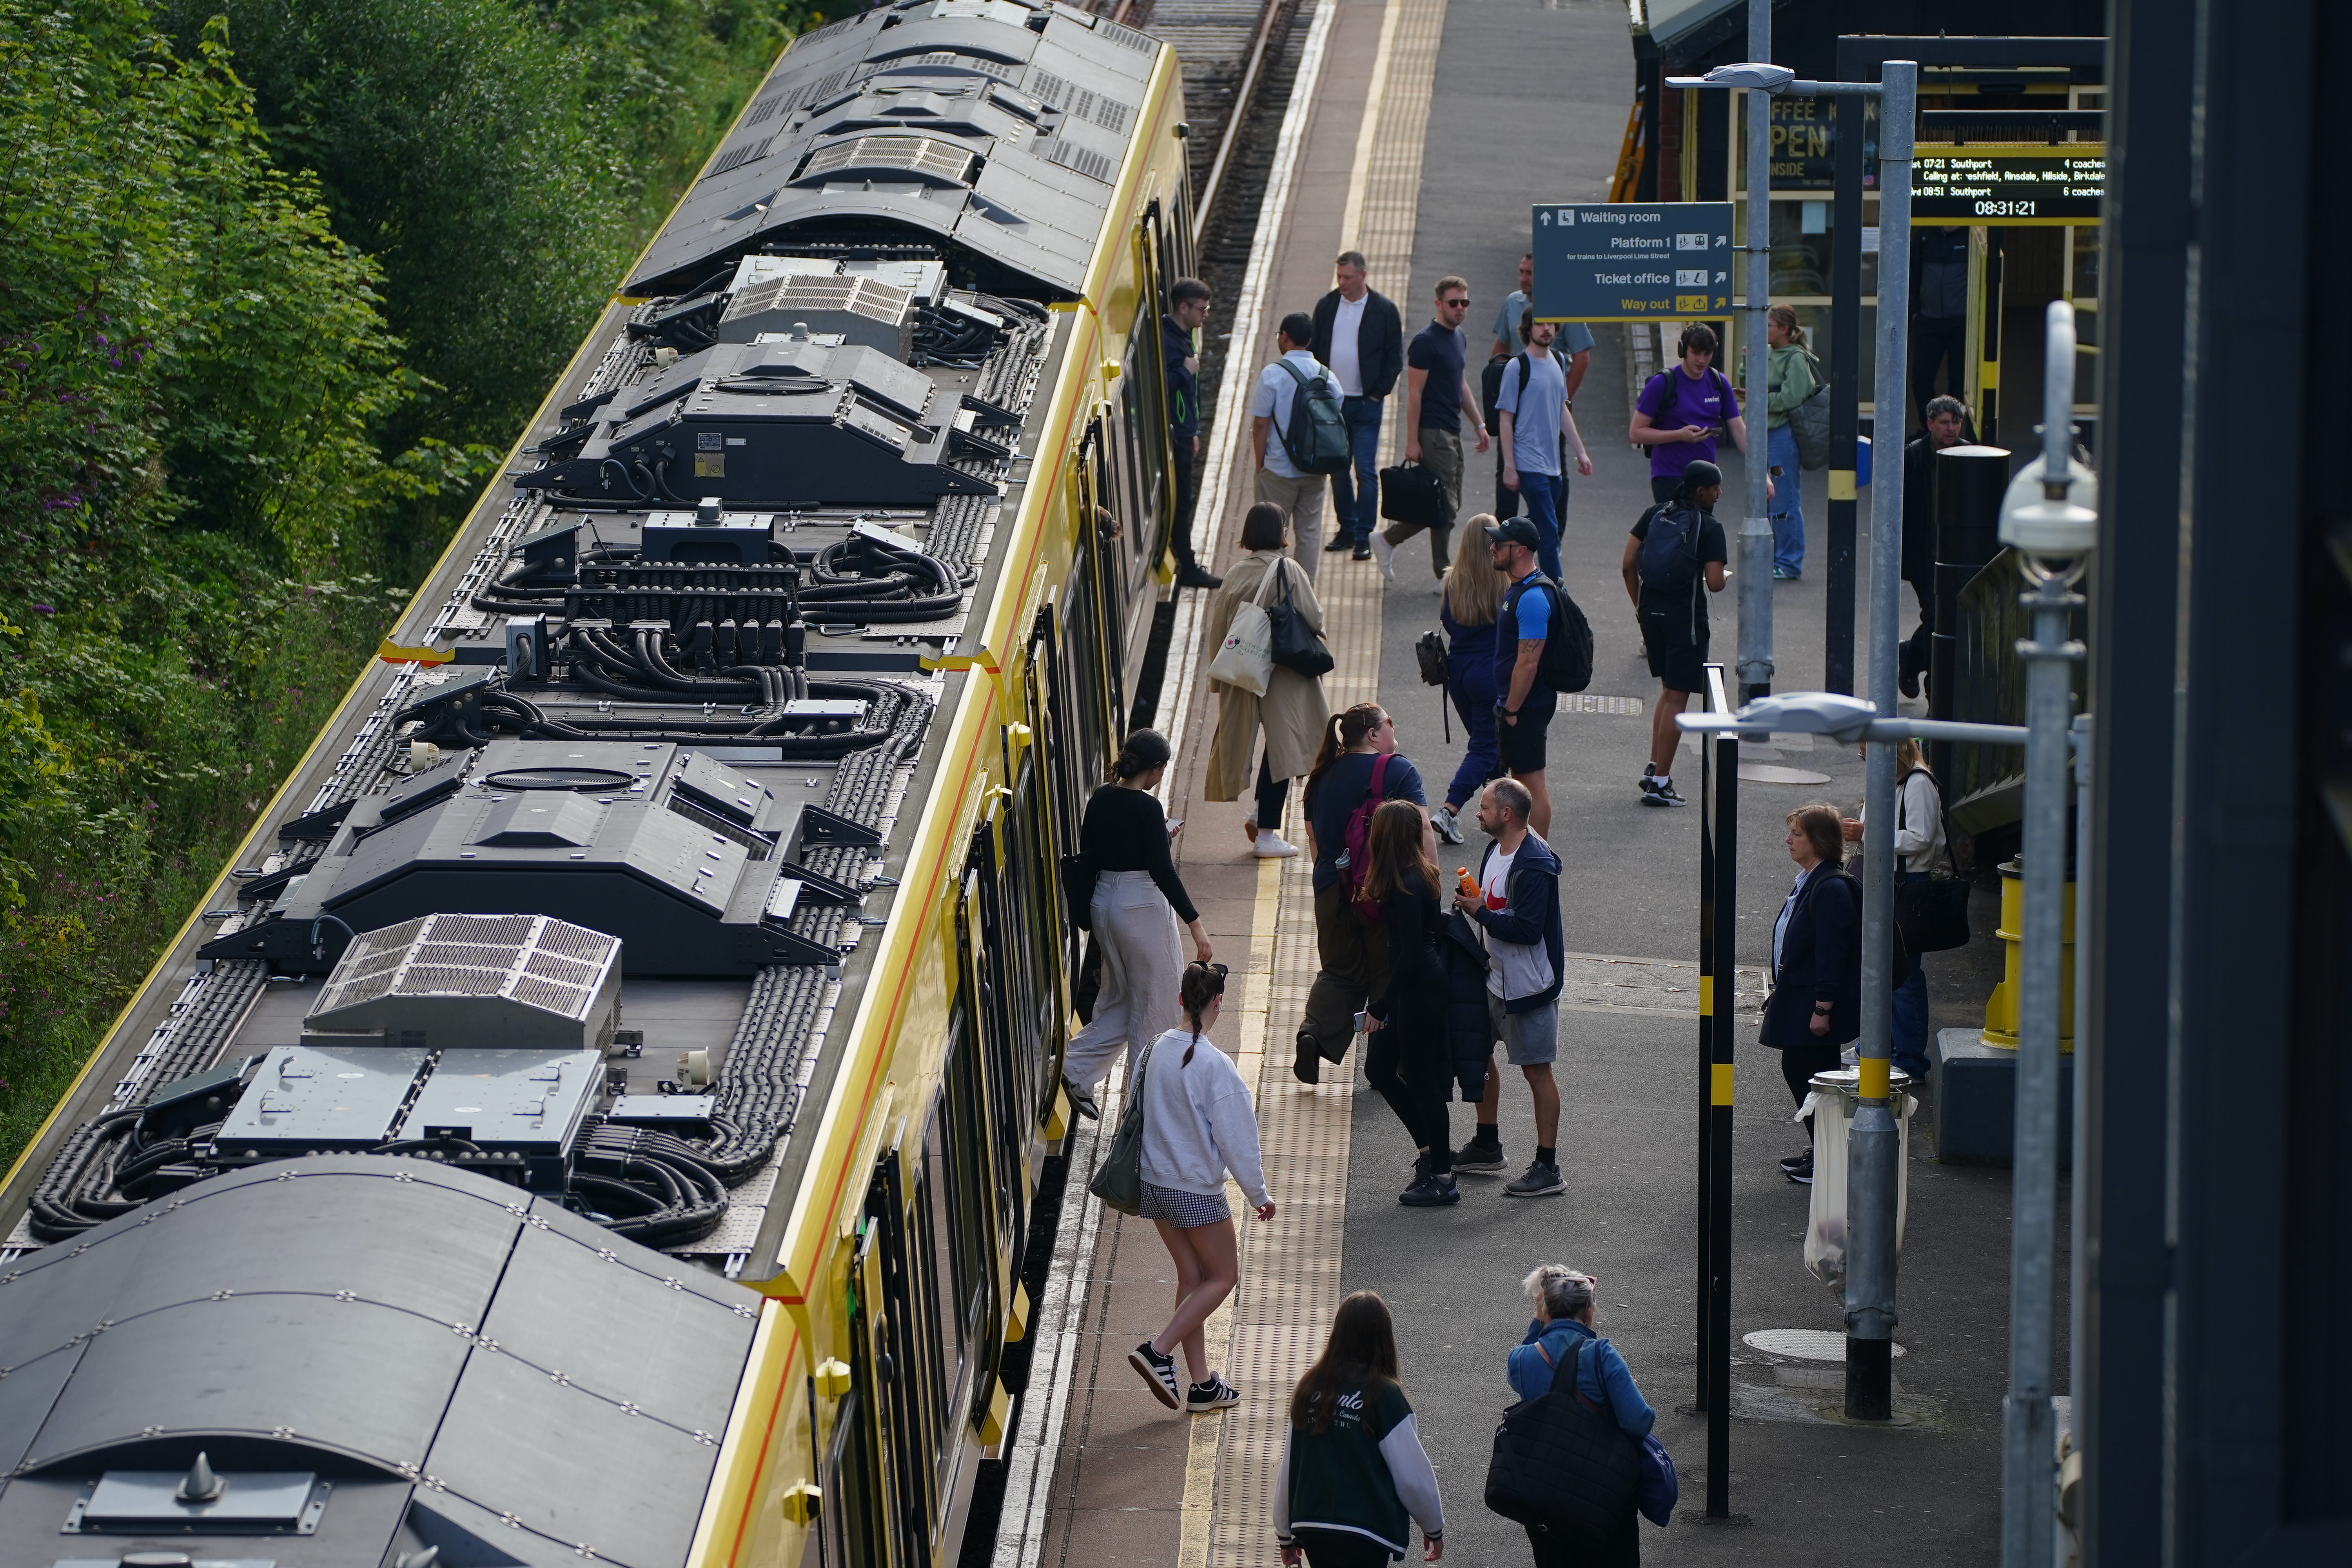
<point x="1835" y="1096"/>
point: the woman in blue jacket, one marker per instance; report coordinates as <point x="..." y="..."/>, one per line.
<point x="1563" y="1322"/>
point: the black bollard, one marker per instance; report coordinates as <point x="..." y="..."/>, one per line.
<point x="1970" y="483"/>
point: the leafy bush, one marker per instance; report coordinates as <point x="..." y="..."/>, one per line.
<point x="259" y="346"/>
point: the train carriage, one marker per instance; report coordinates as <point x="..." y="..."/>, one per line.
<point x="597" y="1115"/>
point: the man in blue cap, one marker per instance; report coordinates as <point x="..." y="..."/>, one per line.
<point x="1523" y="703"/>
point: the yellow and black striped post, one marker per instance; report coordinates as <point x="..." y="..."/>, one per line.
<point x="1718" y="906"/>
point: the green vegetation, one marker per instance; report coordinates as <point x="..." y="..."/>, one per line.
<point x="280" y="285"/>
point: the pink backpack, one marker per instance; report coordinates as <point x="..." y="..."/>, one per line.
<point x="1357" y="841"/>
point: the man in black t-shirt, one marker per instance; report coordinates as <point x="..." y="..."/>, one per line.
<point x="1438" y="393"/>
<point x="1669" y="593"/>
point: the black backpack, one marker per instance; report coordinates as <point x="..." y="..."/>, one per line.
<point x="1568" y="643"/>
<point x="1713" y="377"/>
<point x="1668" y="562"/>
<point x="1315" y="433"/>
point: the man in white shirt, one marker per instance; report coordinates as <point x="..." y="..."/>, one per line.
<point x="1279" y="479"/>
<point x="1360" y="335"/>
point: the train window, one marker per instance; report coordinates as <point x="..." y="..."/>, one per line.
<point x="986" y="957"/>
<point x="907" y="1347"/>
<point x="935" y="1222"/>
<point x="1050" y="716"/>
<point x="1028" y="889"/>
<point x="1082" y="637"/>
<point x="1146" y="413"/>
<point x="966" y="1153"/>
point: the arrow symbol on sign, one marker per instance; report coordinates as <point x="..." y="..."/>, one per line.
<point x="1723" y="277"/>
<point x="1544" y="218"/>
<point x="1722" y="240"/>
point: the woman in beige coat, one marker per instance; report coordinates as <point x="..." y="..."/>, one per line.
<point x="1292" y="713"/>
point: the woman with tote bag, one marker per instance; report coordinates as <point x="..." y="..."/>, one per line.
<point x="1290" y="713"/>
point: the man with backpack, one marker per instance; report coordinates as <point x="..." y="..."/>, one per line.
<point x="1685" y="410"/>
<point x="1299" y="433"/>
<point x="1538" y="634"/>
<point x="1437" y="397"/>
<point x="1571" y="346"/>
<point x="1516" y="907"/>
<point x="1532" y="405"/>
<point x="1674" y="560"/>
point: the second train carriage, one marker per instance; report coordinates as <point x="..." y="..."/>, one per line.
<point x="598" y="1117"/>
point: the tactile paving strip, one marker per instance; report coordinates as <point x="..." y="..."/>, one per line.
<point x="1290" y="1266"/>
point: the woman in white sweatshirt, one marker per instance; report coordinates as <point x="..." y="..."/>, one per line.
<point x="1198" y="1124"/>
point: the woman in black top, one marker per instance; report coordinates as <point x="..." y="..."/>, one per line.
<point x="1405" y="1053"/>
<point x="1138" y="898"/>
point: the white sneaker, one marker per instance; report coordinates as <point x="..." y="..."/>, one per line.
<point x="1269" y="846"/>
<point x="1384" y="554"/>
<point x="1448" y="829"/>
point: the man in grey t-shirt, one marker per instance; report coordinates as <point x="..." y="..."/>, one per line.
<point x="1572" y="345"/>
<point x="1531" y="403"/>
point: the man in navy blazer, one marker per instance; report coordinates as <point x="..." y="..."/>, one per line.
<point x="1360" y="335"/>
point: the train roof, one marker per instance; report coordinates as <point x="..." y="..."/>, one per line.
<point x="415" y="1373"/>
<point x="997" y="126"/>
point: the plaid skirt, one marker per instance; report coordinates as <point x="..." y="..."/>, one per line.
<point x="1185" y="1211"/>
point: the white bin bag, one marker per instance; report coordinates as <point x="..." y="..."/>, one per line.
<point x="1832" y="1103"/>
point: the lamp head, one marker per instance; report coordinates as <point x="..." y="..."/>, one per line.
<point x="2034" y="524"/>
<point x="1832" y="713"/>
<point x="1747" y="74"/>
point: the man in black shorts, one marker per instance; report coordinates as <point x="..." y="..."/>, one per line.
<point x="1523" y="703"/>
<point x="1673" y="561"/>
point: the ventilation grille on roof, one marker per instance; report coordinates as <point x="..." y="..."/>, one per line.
<point x="1078" y="102"/>
<point x="1084" y="160"/>
<point x="748" y="153"/>
<point x="866" y="296"/>
<point x="915" y="154"/>
<point x="767" y="106"/>
<point x="1117" y="33"/>
<point x="544" y="962"/>
<point x="980" y="63"/>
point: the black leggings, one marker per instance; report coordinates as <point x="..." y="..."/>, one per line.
<point x="1420" y="1107"/>
<point x="1271" y="794"/>
<point x="1799" y="1063"/>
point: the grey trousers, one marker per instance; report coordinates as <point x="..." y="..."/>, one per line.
<point x="1143" y="963"/>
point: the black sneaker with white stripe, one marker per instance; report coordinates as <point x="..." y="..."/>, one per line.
<point x="1656" y="793"/>
<point x="1214" y="1395"/>
<point x="1159" y="1370"/>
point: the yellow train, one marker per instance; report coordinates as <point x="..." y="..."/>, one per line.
<point x="598" y="1114"/>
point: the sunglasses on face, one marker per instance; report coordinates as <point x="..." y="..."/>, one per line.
<point x="1462" y="304"/>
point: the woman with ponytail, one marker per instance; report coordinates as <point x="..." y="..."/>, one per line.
<point x="1791" y="375"/>
<point x="1291" y="714"/>
<point x="1358" y="751"/>
<point x="1198" y="1126"/>
<point x="1139" y="899"/>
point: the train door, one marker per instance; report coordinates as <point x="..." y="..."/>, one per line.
<point x="862" y="1511"/>
<point x="1095" y="613"/>
<point x="1061" y="794"/>
<point x="1144" y="410"/>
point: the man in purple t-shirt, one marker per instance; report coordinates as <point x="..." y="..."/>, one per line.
<point x="1685" y="410"/>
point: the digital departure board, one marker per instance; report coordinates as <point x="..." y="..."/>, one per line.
<point x="1983" y="185"/>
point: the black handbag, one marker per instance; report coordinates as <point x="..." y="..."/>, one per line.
<point x="1079" y="888"/>
<point x="1564" y="1465"/>
<point x="1430" y="651"/>
<point x="1296" y="646"/>
<point x="1933" y="915"/>
<point x="1410" y="494"/>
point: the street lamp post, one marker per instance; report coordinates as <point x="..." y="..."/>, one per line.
<point x="1873" y="1143"/>
<point x="2045" y="521"/>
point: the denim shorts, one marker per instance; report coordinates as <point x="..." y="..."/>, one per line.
<point x="1530" y="1039"/>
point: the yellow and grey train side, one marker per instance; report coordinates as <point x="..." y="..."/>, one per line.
<point x="410" y="1215"/>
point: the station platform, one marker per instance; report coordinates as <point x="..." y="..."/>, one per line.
<point x="1419" y="132"/>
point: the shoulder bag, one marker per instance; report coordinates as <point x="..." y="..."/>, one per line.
<point x="1118" y="1181"/>
<point x="1933" y="915"/>
<point x="1436" y="669"/>
<point x="1296" y="646"/>
<point x="1246" y="658"/>
<point x="1563" y="1464"/>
